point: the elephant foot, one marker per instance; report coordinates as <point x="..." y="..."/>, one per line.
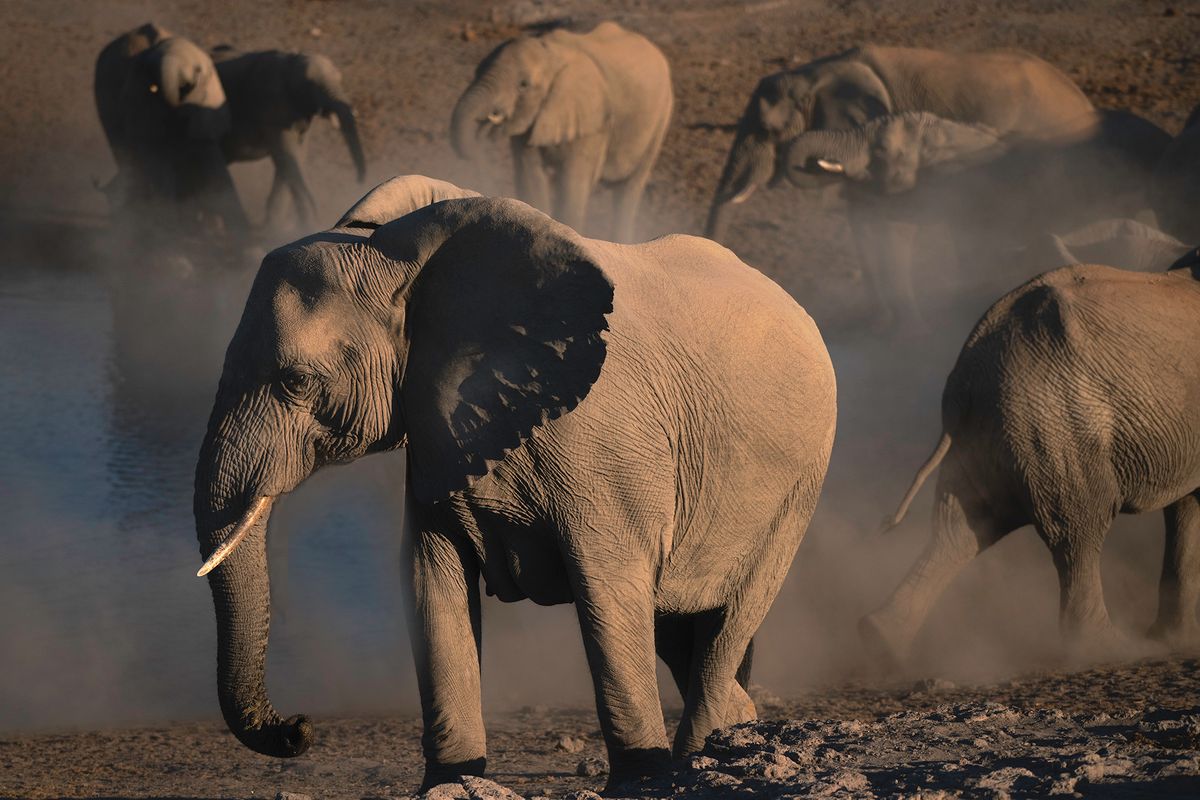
<point x="1178" y="637"/>
<point x="437" y="774"/>
<point x="1107" y="644"/>
<point x="885" y="645"/>
<point x="629" y="769"/>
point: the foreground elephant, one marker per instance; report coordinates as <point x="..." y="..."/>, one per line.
<point x="579" y="110"/>
<point x="273" y="98"/>
<point x="993" y="192"/>
<point x="1073" y="400"/>
<point x="641" y="430"/>
<point x="1175" y="181"/>
<point x="164" y="112"/>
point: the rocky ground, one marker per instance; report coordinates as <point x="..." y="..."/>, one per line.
<point x="1113" y="732"/>
<point x="1117" y="731"/>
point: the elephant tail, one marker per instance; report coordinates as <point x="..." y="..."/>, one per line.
<point x="939" y="452"/>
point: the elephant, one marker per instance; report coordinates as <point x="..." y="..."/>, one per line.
<point x="273" y="97"/>
<point x="578" y="110"/>
<point x="163" y="111"/>
<point x="1072" y="400"/>
<point x="1173" y="189"/>
<point x="641" y="430"/>
<point x="992" y="191"/>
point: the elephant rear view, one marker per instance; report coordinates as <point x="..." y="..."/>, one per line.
<point x="1073" y="400"/>
<point x="640" y="430"/>
<point x="578" y="110"/>
<point x="274" y="97"/>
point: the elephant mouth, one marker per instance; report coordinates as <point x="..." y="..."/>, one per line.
<point x="252" y="515"/>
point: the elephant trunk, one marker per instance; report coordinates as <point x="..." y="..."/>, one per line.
<point x="751" y="164"/>
<point x="241" y="594"/>
<point x="344" y="114"/>
<point x="470" y="117"/>
<point x="816" y="153"/>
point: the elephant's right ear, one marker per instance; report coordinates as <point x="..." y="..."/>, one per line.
<point x="503" y="321"/>
<point x="398" y="196"/>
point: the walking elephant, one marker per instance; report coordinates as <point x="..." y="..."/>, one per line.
<point x="992" y="192"/>
<point x="1073" y="400"/>
<point x="273" y="98"/>
<point x="505" y="353"/>
<point x="1175" y="180"/>
<point x="578" y="110"/>
<point x="164" y="112"/>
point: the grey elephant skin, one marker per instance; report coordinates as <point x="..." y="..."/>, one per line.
<point x="1175" y="181"/>
<point x="164" y="112"/>
<point x="1074" y="399"/>
<point x="992" y="192"/>
<point x="273" y="98"/>
<point x="579" y="110"/>
<point x="640" y="430"/>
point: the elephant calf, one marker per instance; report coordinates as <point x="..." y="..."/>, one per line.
<point x="273" y="97"/>
<point x="1074" y="399"/>
<point x="578" y="110"/>
<point x="642" y="431"/>
<point x="164" y="112"/>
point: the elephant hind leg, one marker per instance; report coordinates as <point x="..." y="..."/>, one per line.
<point x="674" y="641"/>
<point x="1075" y="533"/>
<point x="1179" y="588"/>
<point x="963" y="527"/>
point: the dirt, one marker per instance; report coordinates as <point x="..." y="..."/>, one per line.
<point x="1117" y="731"/>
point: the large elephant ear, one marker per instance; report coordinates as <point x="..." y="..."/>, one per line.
<point x="398" y="196"/>
<point x="948" y="141"/>
<point x="576" y="104"/>
<point x="503" y="320"/>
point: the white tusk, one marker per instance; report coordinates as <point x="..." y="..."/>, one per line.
<point x="239" y="533"/>
<point x="335" y="122"/>
<point x="741" y="196"/>
<point x="830" y="166"/>
<point x="495" y="119"/>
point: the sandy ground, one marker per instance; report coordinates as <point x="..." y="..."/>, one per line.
<point x="1121" y="731"/>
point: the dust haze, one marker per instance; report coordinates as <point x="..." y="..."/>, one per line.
<point x="110" y="349"/>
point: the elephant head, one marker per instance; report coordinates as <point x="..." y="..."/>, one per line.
<point x="453" y="330"/>
<point x="176" y="81"/>
<point x="316" y="87"/>
<point x="832" y="93"/>
<point x="539" y="87"/>
<point x="889" y="151"/>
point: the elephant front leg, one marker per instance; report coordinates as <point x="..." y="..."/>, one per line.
<point x="580" y="164"/>
<point x="533" y="184"/>
<point x="1179" y="588"/>
<point x="287" y="155"/>
<point x="444" y="626"/>
<point x="616" y="617"/>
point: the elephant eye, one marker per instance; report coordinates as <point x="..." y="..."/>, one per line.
<point x="297" y="383"/>
<point x="523" y="84"/>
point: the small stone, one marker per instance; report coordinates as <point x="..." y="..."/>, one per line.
<point x="483" y="789"/>
<point x="582" y="794"/>
<point x="446" y="791"/>
<point x="315" y="32"/>
<point x="291" y="796"/>
<point x="569" y="744"/>
<point x="591" y="767"/>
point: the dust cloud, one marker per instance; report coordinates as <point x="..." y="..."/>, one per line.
<point x="111" y="342"/>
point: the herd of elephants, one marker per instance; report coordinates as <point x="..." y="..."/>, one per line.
<point x="643" y="430"/>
